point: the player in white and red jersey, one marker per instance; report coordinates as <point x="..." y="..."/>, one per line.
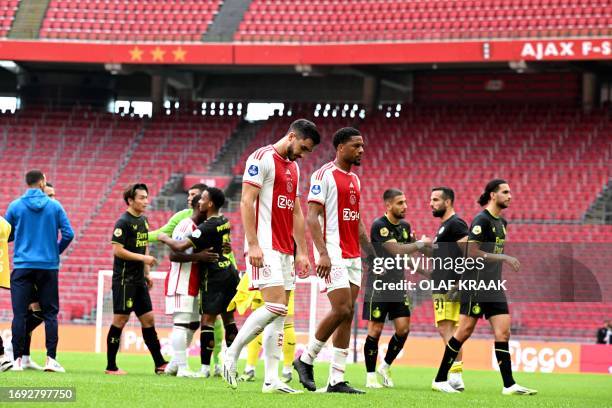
<point x="337" y="232"/>
<point x="272" y="220"/>
<point x="181" y="289"/>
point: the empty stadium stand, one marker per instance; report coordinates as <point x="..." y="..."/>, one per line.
<point x="8" y="8"/>
<point x="402" y="20"/>
<point x="162" y="21"/>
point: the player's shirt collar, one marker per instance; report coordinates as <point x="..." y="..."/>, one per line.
<point x="279" y="155"/>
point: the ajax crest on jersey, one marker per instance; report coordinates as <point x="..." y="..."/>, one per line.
<point x="353" y="199"/>
<point x="289" y="187"/>
<point x="316" y="189"/>
<point x="253" y="170"/>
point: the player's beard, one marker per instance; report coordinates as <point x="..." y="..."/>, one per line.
<point x="291" y="153"/>
<point x="438" y="213"/>
<point x="503" y="205"/>
<point x="399" y="215"/>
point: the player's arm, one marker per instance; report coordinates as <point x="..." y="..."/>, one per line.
<point x="302" y="264"/>
<point x="315" y="210"/>
<point x="250" y="193"/>
<point x="364" y="241"/>
<point x="65" y="228"/>
<point x="118" y="242"/>
<point x="395" y="248"/>
<point x="120" y="252"/>
<point x="202" y="256"/>
<point x="147" y="270"/>
<point x="475" y="239"/>
<point x="174" y="244"/>
<point x="168" y="228"/>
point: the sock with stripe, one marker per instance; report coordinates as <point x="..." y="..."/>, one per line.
<point x="207" y="344"/>
<point x="178" y="338"/>
<point x="273" y="342"/>
<point x="312" y="351"/>
<point x="251" y="328"/>
<point x="337" y="366"/>
<point x="502" y="353"/>
<point x="396" y="344"/>
<point x="370" y="353"/>
<point x="450" y="354"/>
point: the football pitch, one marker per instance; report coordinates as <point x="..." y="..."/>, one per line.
<point x="143" y="388"/>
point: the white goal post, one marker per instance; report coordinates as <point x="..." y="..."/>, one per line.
<point x="309" y="303"/>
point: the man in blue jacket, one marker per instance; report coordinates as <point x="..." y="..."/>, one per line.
<point x="35" y="221"/>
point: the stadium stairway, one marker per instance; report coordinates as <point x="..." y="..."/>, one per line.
<point x="28" y="19"/>
<point x="600" y="211"/>
<point x="227" y="20"/>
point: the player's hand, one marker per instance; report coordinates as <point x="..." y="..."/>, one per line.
<point x="207" y="255"/>
<point x="427" y="241"/>
<point x="256" y="256"/>
<point x="149" y="282"/>
<point x="149" y="260"/>
<point x="324" y="266"/>
<point x="302" y="266"/>
<point x="226" y="248"/>
<point x="513" y="262"/>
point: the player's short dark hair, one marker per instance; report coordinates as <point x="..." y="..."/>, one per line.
<point x="198" y="186"/>
<point x="491" y="187"/>
<point x="34" y="176"/>
<point x="344" y="135"/>
<point x="130" y="192"/>
<point x="305" y="129"/>
<point x="447" y="193"/>
<point x="391" y="193"/>
<point x="217" y="196"/>
<point x="48" y="184"/>
<point x="194" y="201"/>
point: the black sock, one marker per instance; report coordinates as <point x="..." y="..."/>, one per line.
<point x="112" y="347"/>
<point x="1" y="347"/>
<point x="502" y="353"/>
<point x="450" y="354"/>
<point x="33" y="320"/>
<point x="231" y="330"/>
<point x="395" y="346"/>
<point x="370" y="353"/>
<point x="207" y="343"/>
<point x="150" y="338"/>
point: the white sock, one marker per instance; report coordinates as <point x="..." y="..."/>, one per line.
<point x="179" y="344"/>
<point x="190" y="334"/>
<point x="337" y="366"/>
<point x="312" y="351"/>
<point x="287" y="369"/>
<point x="251" y="328"/>
<point x="249" y="368"/>
<point x="273" y="343"/>
<point x="25" y="359"/>
<point x="372" y="377"/>
<point x="384" y="364"/>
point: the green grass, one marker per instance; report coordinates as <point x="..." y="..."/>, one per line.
<point x="142" y="388"/>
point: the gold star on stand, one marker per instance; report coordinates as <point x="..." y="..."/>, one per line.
<point x="179" y="54"/>
<point x="136" y="54"/>
<point x="158" y="54"/>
